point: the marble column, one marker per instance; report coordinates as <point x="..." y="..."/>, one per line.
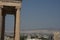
<point x="17" y="28"/>
<point x="0" y="21"/>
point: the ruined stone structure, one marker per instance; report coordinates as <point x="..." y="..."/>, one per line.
<point x="56" y="35"/>
<point x="10" y="7"/>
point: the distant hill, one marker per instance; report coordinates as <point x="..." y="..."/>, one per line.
<point x="39" y="30"/>
<point x="58" y="29"/>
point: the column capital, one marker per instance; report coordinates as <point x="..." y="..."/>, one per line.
<point x="17" y="7"/>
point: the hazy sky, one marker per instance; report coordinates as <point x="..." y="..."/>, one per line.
<point x="38" y="14"/>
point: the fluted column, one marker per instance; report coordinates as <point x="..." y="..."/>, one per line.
<point x="17" y="28"/>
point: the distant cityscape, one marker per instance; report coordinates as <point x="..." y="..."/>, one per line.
<point x="35" y="35"/>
